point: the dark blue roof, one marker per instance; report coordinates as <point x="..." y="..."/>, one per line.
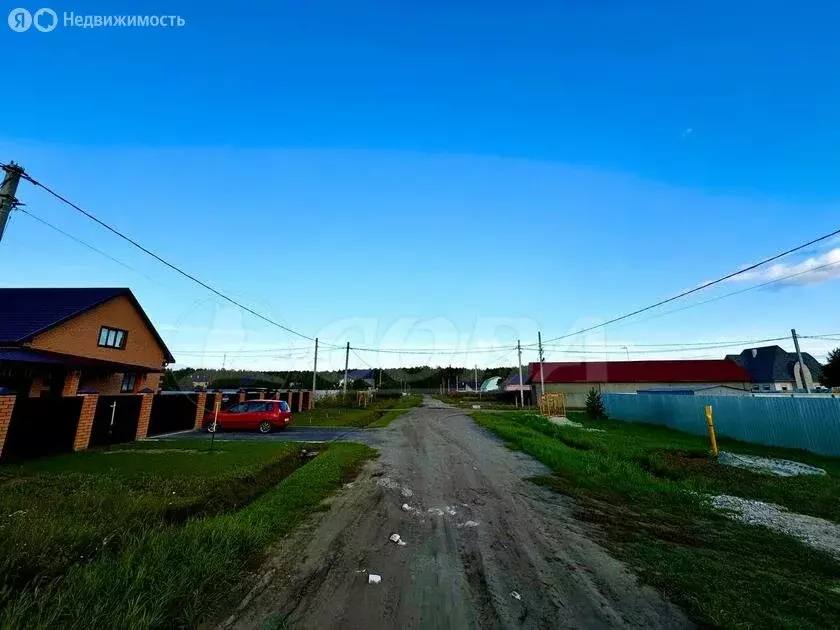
<point x="772" y="363"/>
<point x="354" y="375"/>
<point x="26" y="312"/>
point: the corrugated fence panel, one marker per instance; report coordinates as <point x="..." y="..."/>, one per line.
<point x="812" y="424"/>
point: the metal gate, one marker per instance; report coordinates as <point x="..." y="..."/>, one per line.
<point x="172" y="412"/>
<point x="42" y="426"/>
<point x="126" y="414"/>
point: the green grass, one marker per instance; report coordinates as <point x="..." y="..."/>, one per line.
<point x="466" y="401"/>
<point x="378" y="414"/>
<point x="154" y="540"/>
<point x="644" y="487"/>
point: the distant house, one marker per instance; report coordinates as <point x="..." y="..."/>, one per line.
<point x="58" y="341"/>
<point x="200" y="380"/>
<point x="512" y="383"/>
<point x="773" y="369"/>
<point x="576" y="379"/>
<point x="355" y="375"/>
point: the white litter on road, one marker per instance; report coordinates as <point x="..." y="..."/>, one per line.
<point x="516" y="595"/>
<point x="395" y="538"/>
<point x="387" y="482"/>
<point x="450" y="510"/>
<point x="781" y="467"/>
<point x="406" y="507"/>
<point x="435" y="511"/>
<point x="469" y="524"/>
<point x="374" y="579"/>
<point x="815" y="532"/>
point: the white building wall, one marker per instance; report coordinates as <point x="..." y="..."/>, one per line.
<point x="576" y="392"/>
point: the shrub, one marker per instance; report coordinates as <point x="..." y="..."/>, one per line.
<point x="594" y="405"/>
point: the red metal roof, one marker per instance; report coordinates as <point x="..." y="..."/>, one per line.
<point x="703" y="371"/>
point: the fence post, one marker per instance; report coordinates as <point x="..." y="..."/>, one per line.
<point x="36" y="386"/>
<point x="71" y="383"/>
<point x="710" y="424"/>
<point x="145" y="414"/>
<point x="86" y="415"/>
<point x="199" y="409"/>
<point x="7" y="405"/>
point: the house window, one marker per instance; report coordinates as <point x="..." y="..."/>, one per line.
<point x="128" y="382"/>
<point x="112" y="338"/>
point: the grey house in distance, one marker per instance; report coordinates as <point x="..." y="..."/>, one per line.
<point x="773" y="369"/>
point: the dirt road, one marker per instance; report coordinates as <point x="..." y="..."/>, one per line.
<point x="484" y="547"/>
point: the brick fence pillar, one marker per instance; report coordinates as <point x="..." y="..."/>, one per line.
<point x="199" y="409"/>
<point x="7" y="405"/>
<point x="85" y="425"/>
<point x="242" y="396"/>
<point x="261" y="395"/>
<point x="145" y="415"/>
<point x="36" y="386"/>
<point x="71" y="383"/>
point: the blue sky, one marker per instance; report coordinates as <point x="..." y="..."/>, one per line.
<point x="435" y="175"/>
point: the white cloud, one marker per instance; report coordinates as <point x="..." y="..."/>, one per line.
<point x="812" y="270"/>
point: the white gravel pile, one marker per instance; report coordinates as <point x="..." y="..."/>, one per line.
<point x="816" y="532"/>
<point x="781" y="467"/>
<point x="563" y="421"/>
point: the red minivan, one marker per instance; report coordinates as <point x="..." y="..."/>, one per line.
<point x="264" y="415"/>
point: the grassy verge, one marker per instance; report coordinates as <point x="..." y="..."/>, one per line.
<point x="151" y="539"/>
<point x="644" y="487"/>
<point x="378" y="414"/>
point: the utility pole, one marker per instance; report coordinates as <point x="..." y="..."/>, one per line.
<point x="801" y="362"/>
<point x="476" y="378"/>
<point x="315" y="373"/>
<point x="346" y="362"/>
<point x="542" y="378"/>
<point x="224" y="359"/>
<point x="11" y="179"/>
<point x="521" y="384"/>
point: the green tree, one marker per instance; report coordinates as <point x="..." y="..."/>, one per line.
<point x="594" y="405"/>
<point x="831" y="370"/>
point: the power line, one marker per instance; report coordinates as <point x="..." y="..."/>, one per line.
<point x="163" y="260"/>
<point x="81" y="242"/>
<point x="705" y="285"/>
<point x="687" y="348"/>
<point x="738" y="292"/>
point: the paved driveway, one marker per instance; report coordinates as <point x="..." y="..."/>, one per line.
<point x="290" y="434"/>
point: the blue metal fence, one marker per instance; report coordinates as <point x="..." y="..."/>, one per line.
<point x="812" y="424"/>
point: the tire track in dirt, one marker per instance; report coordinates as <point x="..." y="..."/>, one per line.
<point x="476" y="533"/>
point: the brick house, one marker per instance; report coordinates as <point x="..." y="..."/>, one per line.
<point x="60" y="341"/>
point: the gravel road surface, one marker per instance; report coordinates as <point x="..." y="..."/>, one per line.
<point x="484" y="548"/>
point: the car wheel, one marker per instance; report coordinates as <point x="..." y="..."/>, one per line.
<point x="265" y="426"/>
